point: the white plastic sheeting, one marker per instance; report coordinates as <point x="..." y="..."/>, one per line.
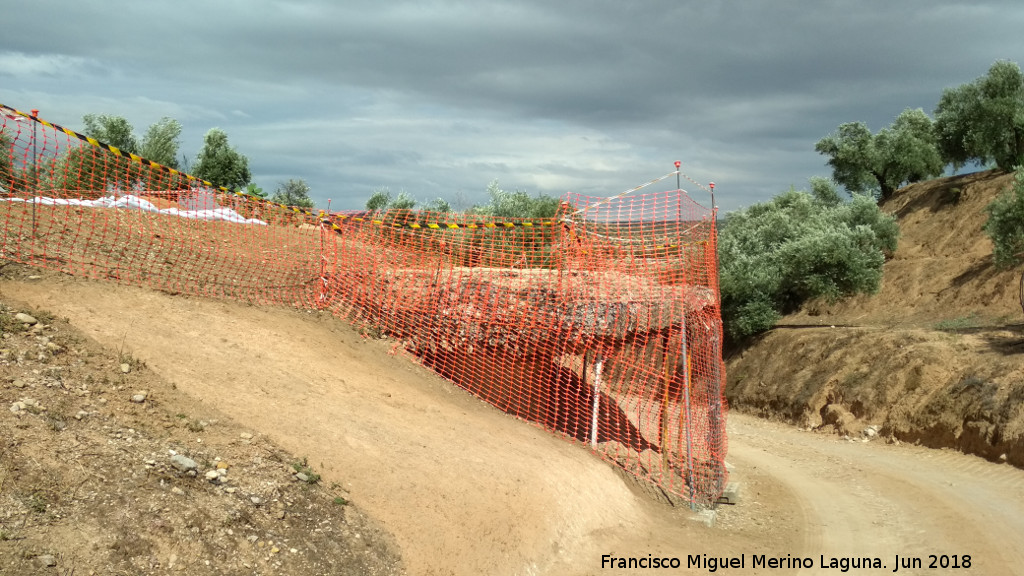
<point x="130" y="201"/>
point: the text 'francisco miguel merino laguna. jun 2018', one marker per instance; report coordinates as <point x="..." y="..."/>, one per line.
<point x="840" y="564"/>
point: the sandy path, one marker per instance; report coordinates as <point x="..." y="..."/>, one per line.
<point x="879" y="501"/>
<point x="464" y="488"/>
<point x="468" y="490"/>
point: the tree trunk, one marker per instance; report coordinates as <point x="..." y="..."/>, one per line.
<point x="886" y="190"/>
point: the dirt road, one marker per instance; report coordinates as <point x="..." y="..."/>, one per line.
<point x="879" y="500"/>
<point x="468" y="490"/>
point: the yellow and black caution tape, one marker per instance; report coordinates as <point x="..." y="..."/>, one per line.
<point x="145" y="162"/>
<point x="329" y="220"/>
<point x="415" y="225"/>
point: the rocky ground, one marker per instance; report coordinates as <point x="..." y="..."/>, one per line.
<point x="105" y="468"/>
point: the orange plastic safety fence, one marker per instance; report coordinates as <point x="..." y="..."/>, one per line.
<point x="601" y="324"/>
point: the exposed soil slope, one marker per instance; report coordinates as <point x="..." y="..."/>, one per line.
<point x="463" y="488"/>
<point x="450" y="483"/>
<point x="93" y="476"/>
<point x="935" y="357"/>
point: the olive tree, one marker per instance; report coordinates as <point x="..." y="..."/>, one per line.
<point x="1005" y="224"/>
<point x="112" y="130"/>
<point x="776" y="255"/>
<point x="905" y="152"/>
<point x="161" y="142"/>
<point x="294" y="192"/>
<point x="381" y="199"/>
<point x="516" y="204"/>
<point x="983" y="121"/>
<point x="7" y="171"/>
<point x="221" y="164"/>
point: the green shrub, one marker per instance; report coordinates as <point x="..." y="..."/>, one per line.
<point x="516" y="204"/>
<point x="1005" y="225"/>
<point x="777" y="255"/>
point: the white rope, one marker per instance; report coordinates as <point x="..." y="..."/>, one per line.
<point x="617" y="196"/>
<point x="698" y="184"/>
<point x="631" y="190"/>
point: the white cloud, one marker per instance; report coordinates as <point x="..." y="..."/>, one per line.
<point x="18" y="65"/>
<point x="440" y="97"/>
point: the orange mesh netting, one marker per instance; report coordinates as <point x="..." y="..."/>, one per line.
<point x="601" y="324"/>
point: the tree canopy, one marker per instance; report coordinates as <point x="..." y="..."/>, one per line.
<point x="294" y="192"/>
<point x="381" y="199"/>
<point x="516" y="204"/>
<point x="1004" y="224"/>
<point x="438" y="205"/>
<point x="501" y="203"/>
<point x="113" y="130"/>
<point x="161" y="142"/>
<point x="983" y="120"/>
<point x="7" y="171"/>
<point x="905" y="152"/>
<point x="221" y="164"/>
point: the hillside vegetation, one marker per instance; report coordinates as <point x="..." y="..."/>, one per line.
<point x="934" y="357"/>
<point x="800" y="246"/>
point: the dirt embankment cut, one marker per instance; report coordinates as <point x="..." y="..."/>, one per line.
<point x="449" y="483"/>
<point x="107" y="468"/>
<point x="934" y="358"/>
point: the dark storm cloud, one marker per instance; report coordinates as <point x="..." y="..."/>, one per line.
<point x="440" y="97"/>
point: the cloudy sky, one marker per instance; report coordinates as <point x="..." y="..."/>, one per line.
<point x="438" y="98"/>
